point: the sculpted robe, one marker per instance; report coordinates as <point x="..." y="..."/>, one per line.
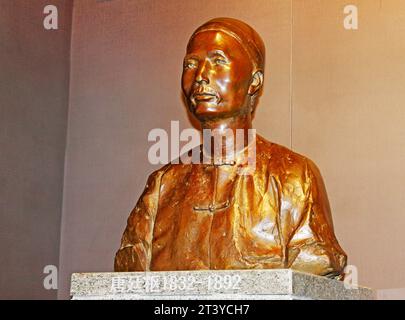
<point x="204" y="216"/>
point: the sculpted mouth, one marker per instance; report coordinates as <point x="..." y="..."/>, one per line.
<point x="204" y="96"/>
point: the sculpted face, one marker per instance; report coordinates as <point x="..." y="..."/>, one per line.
<point x="217" y="76"/>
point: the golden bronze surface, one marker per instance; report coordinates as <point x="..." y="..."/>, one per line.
<point x="210" y="216"/>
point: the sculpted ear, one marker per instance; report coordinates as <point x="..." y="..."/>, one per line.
<point x="257" y="82"/>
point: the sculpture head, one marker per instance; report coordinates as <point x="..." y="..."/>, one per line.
<point x="223" y="70"/>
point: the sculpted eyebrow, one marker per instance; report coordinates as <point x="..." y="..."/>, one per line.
<point x="190" y="56"/>
<point x="218" y="53"/>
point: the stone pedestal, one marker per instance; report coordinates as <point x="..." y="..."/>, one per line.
<point x="284" y="284"/>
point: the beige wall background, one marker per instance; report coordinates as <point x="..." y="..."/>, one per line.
<point x="349" y="116"/>
<point x="332" y="94"/>
<point x="34" y="92"/>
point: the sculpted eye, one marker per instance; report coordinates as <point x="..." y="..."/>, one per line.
<point x="190" y="64"/>
<point x="220" y="61"/>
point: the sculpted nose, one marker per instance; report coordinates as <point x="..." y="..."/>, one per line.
<point x="202" y="74"/>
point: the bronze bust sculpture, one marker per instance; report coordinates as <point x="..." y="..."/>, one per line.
<point x="207" y="216"/>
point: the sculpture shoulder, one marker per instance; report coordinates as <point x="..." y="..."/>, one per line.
<point x="157" y="175"/>
<point x="282" y="160"/>
<point x="167" y="177"/>
<point x="153" y="183"/>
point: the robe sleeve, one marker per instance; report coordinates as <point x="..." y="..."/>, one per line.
<point x="313" y="246"/>
<point x="135" y="251"/>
